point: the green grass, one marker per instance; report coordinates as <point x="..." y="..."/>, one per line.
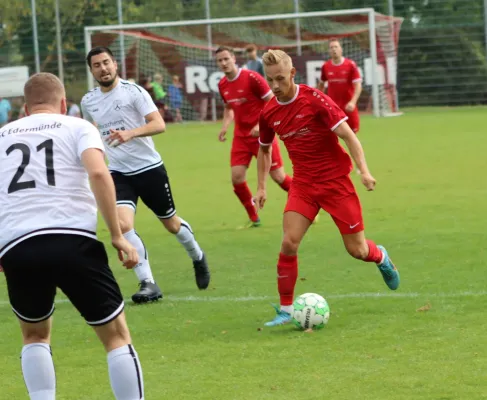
<point x="428" y="209"/>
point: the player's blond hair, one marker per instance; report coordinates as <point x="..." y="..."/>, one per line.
<point x="274" y="57"/>
<point x="43" y="89"/>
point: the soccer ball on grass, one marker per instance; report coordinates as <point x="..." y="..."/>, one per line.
<point x="311" y="311"/>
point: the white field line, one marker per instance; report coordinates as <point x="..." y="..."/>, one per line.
<point x="243" y="299"/>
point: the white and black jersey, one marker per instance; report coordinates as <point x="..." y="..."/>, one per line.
<point x="44" y="188"/>
<point x="123" y="108"/>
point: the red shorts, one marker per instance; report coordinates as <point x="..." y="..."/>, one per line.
<point x="337" y="197"/>
<point x="246" y="147"/>
<point x="353" y="120"/>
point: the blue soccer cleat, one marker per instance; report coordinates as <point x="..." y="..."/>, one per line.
<point x="388" y="270"/>
<point x="281" y="318"/>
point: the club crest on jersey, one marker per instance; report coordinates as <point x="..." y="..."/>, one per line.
<point x="117" y="105"/>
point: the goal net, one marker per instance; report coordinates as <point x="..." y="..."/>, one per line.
<point x="183" y="51"/>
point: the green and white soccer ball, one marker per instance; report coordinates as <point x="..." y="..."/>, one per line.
<point x="311" y="311"/>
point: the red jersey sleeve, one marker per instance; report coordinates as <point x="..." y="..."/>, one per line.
<point x="221" y="93"/>
<point x="355" y="73"/>
<point x="328" y="112"/>
<point x="259" y="85"/>
<point x="323" y="72"/>
<point x="267" y="134"/>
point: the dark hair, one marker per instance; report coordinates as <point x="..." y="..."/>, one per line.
<point x="334" y="39"/>
<point x="251" y="47"/>
<point x="98" y="50"/>
<point x="224" y="48"/>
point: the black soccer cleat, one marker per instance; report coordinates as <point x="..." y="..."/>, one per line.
<point x="148" y="292"/>
<point x="201" y="272"/>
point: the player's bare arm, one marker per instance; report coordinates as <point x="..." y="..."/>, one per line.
<point x="264" y="161"/>
<point x="228" y="116"/>
<point x="344" y="132"/>
<point x="356" y="94"/>
<point x="155" y="125"/>
<point x="321" y="85"/>
<point x="104" y="190"/>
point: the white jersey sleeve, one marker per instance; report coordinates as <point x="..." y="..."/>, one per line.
<point x="85" y="114"/>
<point x="89" y="138"/>
<point x="143" y="102"/>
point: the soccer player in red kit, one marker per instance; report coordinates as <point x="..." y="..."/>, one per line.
<point x="344" y="83"/>
<point x="245" y="93"/>
<point x="310" y="123"/>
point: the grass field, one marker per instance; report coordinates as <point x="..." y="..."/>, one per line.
<point x="429" y="210"/>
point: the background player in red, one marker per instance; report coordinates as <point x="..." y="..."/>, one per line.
<point x="245" y="93"/>
<point x="310" y="123"/>
<point x="344" y="83"/>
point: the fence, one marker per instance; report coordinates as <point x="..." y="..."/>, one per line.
<point x="442" y="56"/>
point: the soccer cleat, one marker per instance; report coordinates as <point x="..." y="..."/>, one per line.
<point x="281" y="318"/>
<point x="388" y="270"/>
<point x="148" y="292"/>
<point x="251" y="224"/>
<point x="202" y="272"/>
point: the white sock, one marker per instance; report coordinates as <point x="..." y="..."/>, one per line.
<point x="288" y="309"/>
<point x="142" y="270"/>
<point x="38" y="370"/>
<point x="125" y="373"/>
<point x="185" y="236"/>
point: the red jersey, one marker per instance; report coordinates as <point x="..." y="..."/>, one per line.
<point x="245" y="95"/>
<point x="305" y="124"/>
<point x="341" y="78"/>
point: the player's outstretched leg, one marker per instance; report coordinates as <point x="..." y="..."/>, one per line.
<point x="36" y="358"/>
<point x="295" y="226"/>
<point x="124" y="367"/>
<point x="184" y="234"/>
<point x="148" y="289"/>
<point x="366" y="250"/>
<point x="242" y="191"/>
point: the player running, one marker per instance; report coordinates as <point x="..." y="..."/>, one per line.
<point x="126" y="118"/>
<point x="310" y="123"/>
<point x="245" y="94"/>
<point x="344" y="83"/>
<point x="48" y="240"/>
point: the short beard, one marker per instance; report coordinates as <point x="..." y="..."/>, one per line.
<point x="106" y="83"/>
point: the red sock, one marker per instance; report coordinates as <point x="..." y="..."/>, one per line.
<point x="245" y="196"/>
<point x="287" y="274"/>
<point x="375" y="255"/>
<point x="286" y="183"/>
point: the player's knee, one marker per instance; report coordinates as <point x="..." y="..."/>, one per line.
<point x="289" y="246"/>
<point x="36" y="335"/>
<point x="238" y="178"/>
<point x="278" y="176"/>
<point x="125" y="226"/>
<point x="115" y="334"/>
<point x="172" y="224"/>
<point x="358" y="251"/>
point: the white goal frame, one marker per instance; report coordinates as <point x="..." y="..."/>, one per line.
<point x="369" y="12"/>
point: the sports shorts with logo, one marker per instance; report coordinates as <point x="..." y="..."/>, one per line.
<point x="337" y="197"/>
<point x="246" y="147"/>
<point x="151" y="186"/>
<point x="76" y="264"/>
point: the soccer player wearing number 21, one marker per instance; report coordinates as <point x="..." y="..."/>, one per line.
<point x="48" y="236"/>
<point x="310" y="123"/>
<point x="126" y="118"/>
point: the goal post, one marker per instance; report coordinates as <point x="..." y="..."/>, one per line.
<point x="185" y="49"/>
